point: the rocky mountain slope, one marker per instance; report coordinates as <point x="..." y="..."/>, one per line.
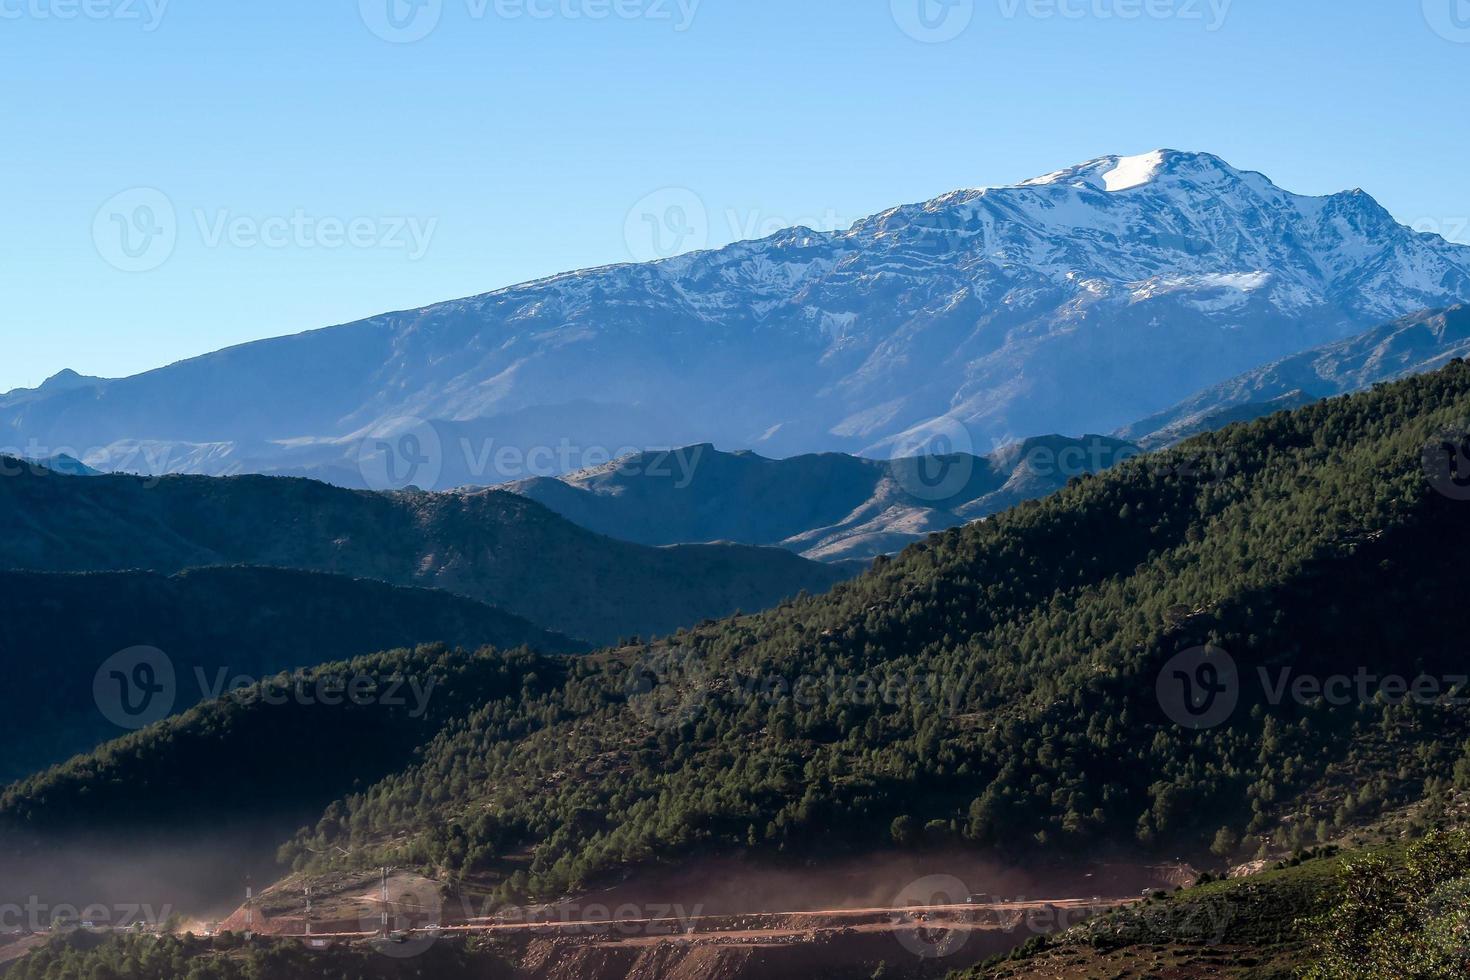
<point x="1411" y="345"/>
<point x="1076" y="302"/>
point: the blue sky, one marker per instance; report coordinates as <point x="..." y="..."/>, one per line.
<point x="181" y="175"/>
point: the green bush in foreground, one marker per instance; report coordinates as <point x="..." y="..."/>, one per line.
<point x="1400" y="923"/>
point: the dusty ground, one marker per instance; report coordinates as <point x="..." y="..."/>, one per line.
<point x="549" y="943"/>
<point x="13" y="947"/>
<point x="727" y="920"/>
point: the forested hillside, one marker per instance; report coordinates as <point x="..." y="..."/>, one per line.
<point x="1020" y="659"/>
<point x="997" y="685"/>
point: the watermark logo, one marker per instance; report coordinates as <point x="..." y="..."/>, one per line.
<point x="1211" y="13"/>
<point x="1447" y="922"/>
<point x="674" y="221"/>
<point x="1455" y="230"/>
<point x="140" y="686"/>
<point x="677" y="13"/>
<point x="934" y="461"/>
<point x="136" y="687"/>
<point x="673" y="920"/>
<point x="303" y="230"/>
<point x="139" y="229"/>
<point x="933" y="21"/>
<point x="1092" y="454"/>
<point x="401" y="21"/>
<point x="1446" y="461"/>
<point x="666" y="223"/>
<point x="486" y="463"/>
<point x="935" y="941"/>
<point x="1205" y="921"/>
<point x="409" y="922"/>
<point x="889" y="690"/>
<point x="401" y="453"/>
<point x="407" y="21"/>
<point x="1363" y="687"/>
<point x="147" y="13"/>
<point x="1450" y="19"/>
<point x="667" y="687"/>
<point x="136" y="230"/>
<point x="147" y="460"/>
<point x="328" y="690"/>
<point x="36" y="916"/>
<point x="1199" y="688"/>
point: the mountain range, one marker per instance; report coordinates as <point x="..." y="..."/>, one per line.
<point x="827" y="507"/>
<point x="497" y="548"/>
<point x="1081" y="301"/>
<point x="833" y="506"/>
<point x="1412" y="345"/>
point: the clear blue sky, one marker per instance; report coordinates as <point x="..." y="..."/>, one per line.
<point x="517" y="145"/>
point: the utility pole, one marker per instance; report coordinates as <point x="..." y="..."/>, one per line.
<point x="308" y="911"/>
<point x="249" y="910"/>
<point x="385" y="901"/>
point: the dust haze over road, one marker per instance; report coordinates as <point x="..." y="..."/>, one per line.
<point x="727" y="917"/>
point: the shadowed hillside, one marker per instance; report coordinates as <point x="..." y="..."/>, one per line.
<point x="497" y="548"/>
<point x="209" y="627"/>
<point x="828" y="507"/>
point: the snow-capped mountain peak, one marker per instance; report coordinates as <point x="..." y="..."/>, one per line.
<point x="1114" y="174"/>
<point x="1077" y="301"/>
<point x="1121" y="221"/>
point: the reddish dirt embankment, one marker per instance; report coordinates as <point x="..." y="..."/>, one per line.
<point x="729" y="920"/>
<point x="795" y="945"/>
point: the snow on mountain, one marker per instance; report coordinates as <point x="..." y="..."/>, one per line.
<point x="1075" y="302"/>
